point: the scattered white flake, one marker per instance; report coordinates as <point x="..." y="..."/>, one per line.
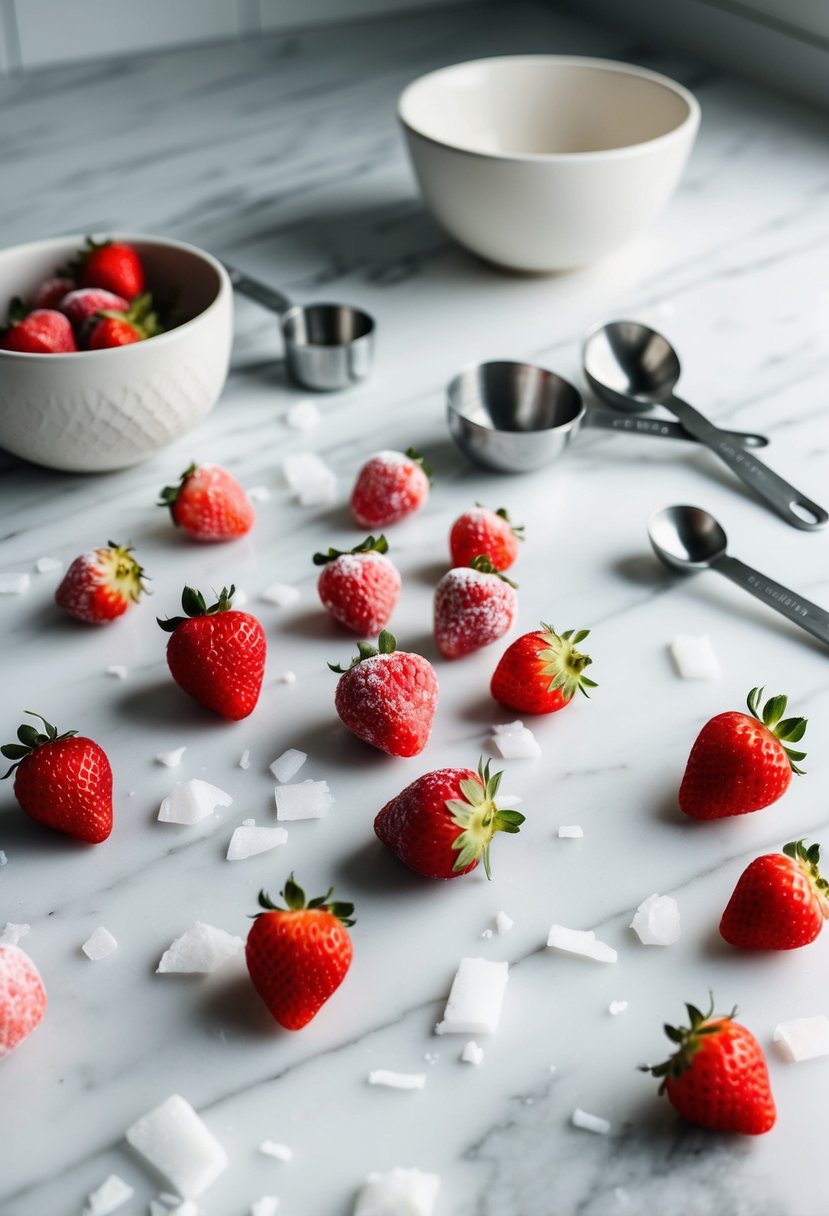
<point x="506" y="802"/>
<point x="397" y="1080"/>
<point x="266" y="1206"/>
<point x="244" y="759"/>
<point x="307" y="800"/>
<point x="272" y="1148"/>
<point x="108" y="1197"/>
<point x="656" y="922"/>
<point x="288" y="764"/>
<point x="400" y="1192"/>
<point x="14" y="584"/>
<point x="47" y="565"/>
<point x="191" y="801"/>
<point x="286" y="677"/>
<point x="248" y="823"/>
<point x="570" y="831"/>
<point x="431" y="1057"/>
<point x="617" y="1007"/>
<point x="282" y="595"/>
<point x="310" y="476"/>
<point x="580" y="941"/>
<point x="474" y="1005"/>
<point x="178" y="1144"/>
<point x="240" y="598"/>
<point x="695" y="658"/>
<point x="259" y="494"/>
<point x="515" y="742"/>
<point x="13" y="933"/>
<point x="171" y="759"/>
<point x="249" y="840"/>
<point x="201" y="949"/>
<point x="472" y="1053"/>
<point x="117" y="671"/>
<point x="590" y="1123"/>
<point x="804" y="1038"/>
<point x="487" y="934"/>
<point x="303" y="416"/>
<point x="99" y="944"/>
<point x="503" y="923"/>
<point x="3" y="858"/>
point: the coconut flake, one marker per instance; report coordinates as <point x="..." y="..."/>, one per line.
<point x="475" y="999"/>
<point x="303" y="416"/>
<point x="580" y="941"/>
<point x="472" y="1053"/>
<point x="285" y="677"/>
<point x="515" y="742"/>
<point x="249" y="840"/>
<point x="288" y="764"/>
<point x="399" y="1192"/>
<point x="397" y="1080"/>
<point x="694" y="657"/>
<point x="503" y="923"/>
<point x="266" y="1206"/>
<point x="804" y="1038"/>
<point x="13" y="933"/>
<point x="259" y="494"/>
<point x="570" y="831"/>
<point x="244" y="759"/>
<point x="306" y="800"/>
<point x="118" y="672"/>
<point x="272" y="1148"/>
<point x="486" y="935"/>
<point x="108" y="1197"/>
<point x="99" y="944"/>
<point x="199" y="950"/>
<point x="179" y="1145"/>
<point x="281" y="595"/>
<point x="48" y="565"/>
<point x="191" y="801"/>
<point x="617" y="1007"/>
<point x="14" y="584"/>
<point x="171" y="759"/>
<point x="311" y="478"/>
<point x="590" y="1123"/>
<point x="656" y="922"/>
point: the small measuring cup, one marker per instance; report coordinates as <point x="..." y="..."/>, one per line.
<point x="327" y="346"/>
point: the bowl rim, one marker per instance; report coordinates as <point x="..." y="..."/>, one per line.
<point x="169" y="335"/>
<point x="618" y="66"/>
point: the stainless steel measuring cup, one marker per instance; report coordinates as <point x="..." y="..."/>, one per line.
<point x="327" y="346"/>
<point x="515" y="417"/>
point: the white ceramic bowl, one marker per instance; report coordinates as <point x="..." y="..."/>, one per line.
<point x="546" y="162"/>
<point x="106" y="409"/>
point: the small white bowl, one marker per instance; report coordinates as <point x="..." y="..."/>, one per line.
<point x="546" y="162"/>
<point x="97" y="410"/>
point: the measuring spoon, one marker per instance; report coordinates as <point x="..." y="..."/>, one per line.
<point x="688" y="539"/>
<point x="327" y="346"/>
<point x="632" y="367"/>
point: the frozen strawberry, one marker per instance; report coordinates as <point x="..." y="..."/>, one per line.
<point x="101" y="585"/>
<point x="388" y="697"/>
<point x="42" y="332"/>
<point x="484" y="533"/>
<point x="209" y="504"/>
<point x="113" y="265"/>
<point x="22" y="998"/>
<point x="81" y="305"/>
<point x="541" y="672"/>
<point x="474" y="606"/>
<point x="390" y="486"/>
<point x="359" y="587"/>
<point x="51" y="291"/>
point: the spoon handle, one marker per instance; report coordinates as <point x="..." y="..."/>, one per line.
<point x="260" y="292"/>
<point x="788" y="502"/>
<point x="796" y="609"/>
<point x="640" y="424"/>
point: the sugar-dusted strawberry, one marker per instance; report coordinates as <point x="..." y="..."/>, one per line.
<point x="388" y="697"/>
<point x="63" y="781"/>
<point x="22" y="997"/>
<point x="541" y="672"/>
<point x="113" y="265"/>
<point x="717" y="1077"/>
<point x="297" y="956"/>
<point x="474" y="605"/>
<point x="359" y="587"/>
<point x="42" y="332"/>
<point x="390" y="486"/>
<point x="82" y="303"/>
<point x="100" y="585"/>
<point x="52" y="291"/>
<point x="484" y="533"/>
<point x="780" y="901"/>
<point x="217" y="654"/>
<point x="442" y="825"/>
<point x="740" y="763"/>
<point x="209" y="504"/>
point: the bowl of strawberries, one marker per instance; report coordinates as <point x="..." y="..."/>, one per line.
<point x="109" y="349"/>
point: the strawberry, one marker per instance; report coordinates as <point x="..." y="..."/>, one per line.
<point x="474" y="605"/>
<point x="388" y="697"/>
<point x="717" y="1077"/>
<point x="100" y="585"/>
<point x="81" y="304"/>
<point x="209" y="504"/>
<point x="51" y="291"/>
<point x="122" y="327"/>
<point x="63" y="781"/>
<point x="217" y="654"/>
<point x="390" y="486"/>
<point x="359" y="587"/>
<point x="542" y="671"/>
<point x="113" y="265"/>
<point x="739" y="763"/>
<point x="486" y="533"/>
<point x="298" y="956"/>
<point x="442" y="825"/>
<point x="22" y="998"/>
<point x="42" y="332"/>
<point x="780" y="901"/>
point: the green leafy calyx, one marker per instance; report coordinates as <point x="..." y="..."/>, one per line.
<point x="563" y="663"/>
<point x="479" y="817"/>
<point x="386" y="644"/>
<point x="170" y="494"/>
<point x="371" y="544"/>
<point x="414" y="455"/>
<point x="516" y="529"/>
<point x="483" y="565"/>
<point x="786" y="730"/>
<point x="688" y="1040"/>
<point x="30" y="739"/>
<point x="140" y="315"/>
<point x="809" y="861"/>
<point x="194" y="604"/>
<point x="295" y="901"/>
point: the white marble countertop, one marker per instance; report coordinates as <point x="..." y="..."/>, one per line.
<point x="284" y="156"/>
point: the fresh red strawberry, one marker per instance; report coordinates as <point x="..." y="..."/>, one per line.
<point x="42" y="332"/>
<point x="100" y="585"/>
<point x="780" y="901"/>
<point x="542" y="671"/>
<point x="81" y="304"/>
<point x="298" y="956"/>
<point x="115" y="327"/>
<point x="217" y="654"/>
<point x="717" y="1077"/>
<point x="63" y="781"/>
<point x="388" y="697"/>
<point x="442" y="825"/>
<point x="739" y="763"/>
<point x="51" y="291"/>
<point x="113" y="265"/>
<point x="359" y="587"/>
<point x="390" y="486"/>
<point x="209" y="504"/>
<point x="22" y="998"/>
<point x="484" y="533"/>
<point x="474" y="605"/>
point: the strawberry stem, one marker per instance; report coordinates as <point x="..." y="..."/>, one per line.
<point x="194" y="605"/>
<point x="31" y="739"/>
<point x="483" y="565"/>
<point x="371" y="544"/>
<point x="386" y="644"/>
<point x="295" y="901"/>
<point x="479" y="817"/>
<point x="786" y="730"/>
